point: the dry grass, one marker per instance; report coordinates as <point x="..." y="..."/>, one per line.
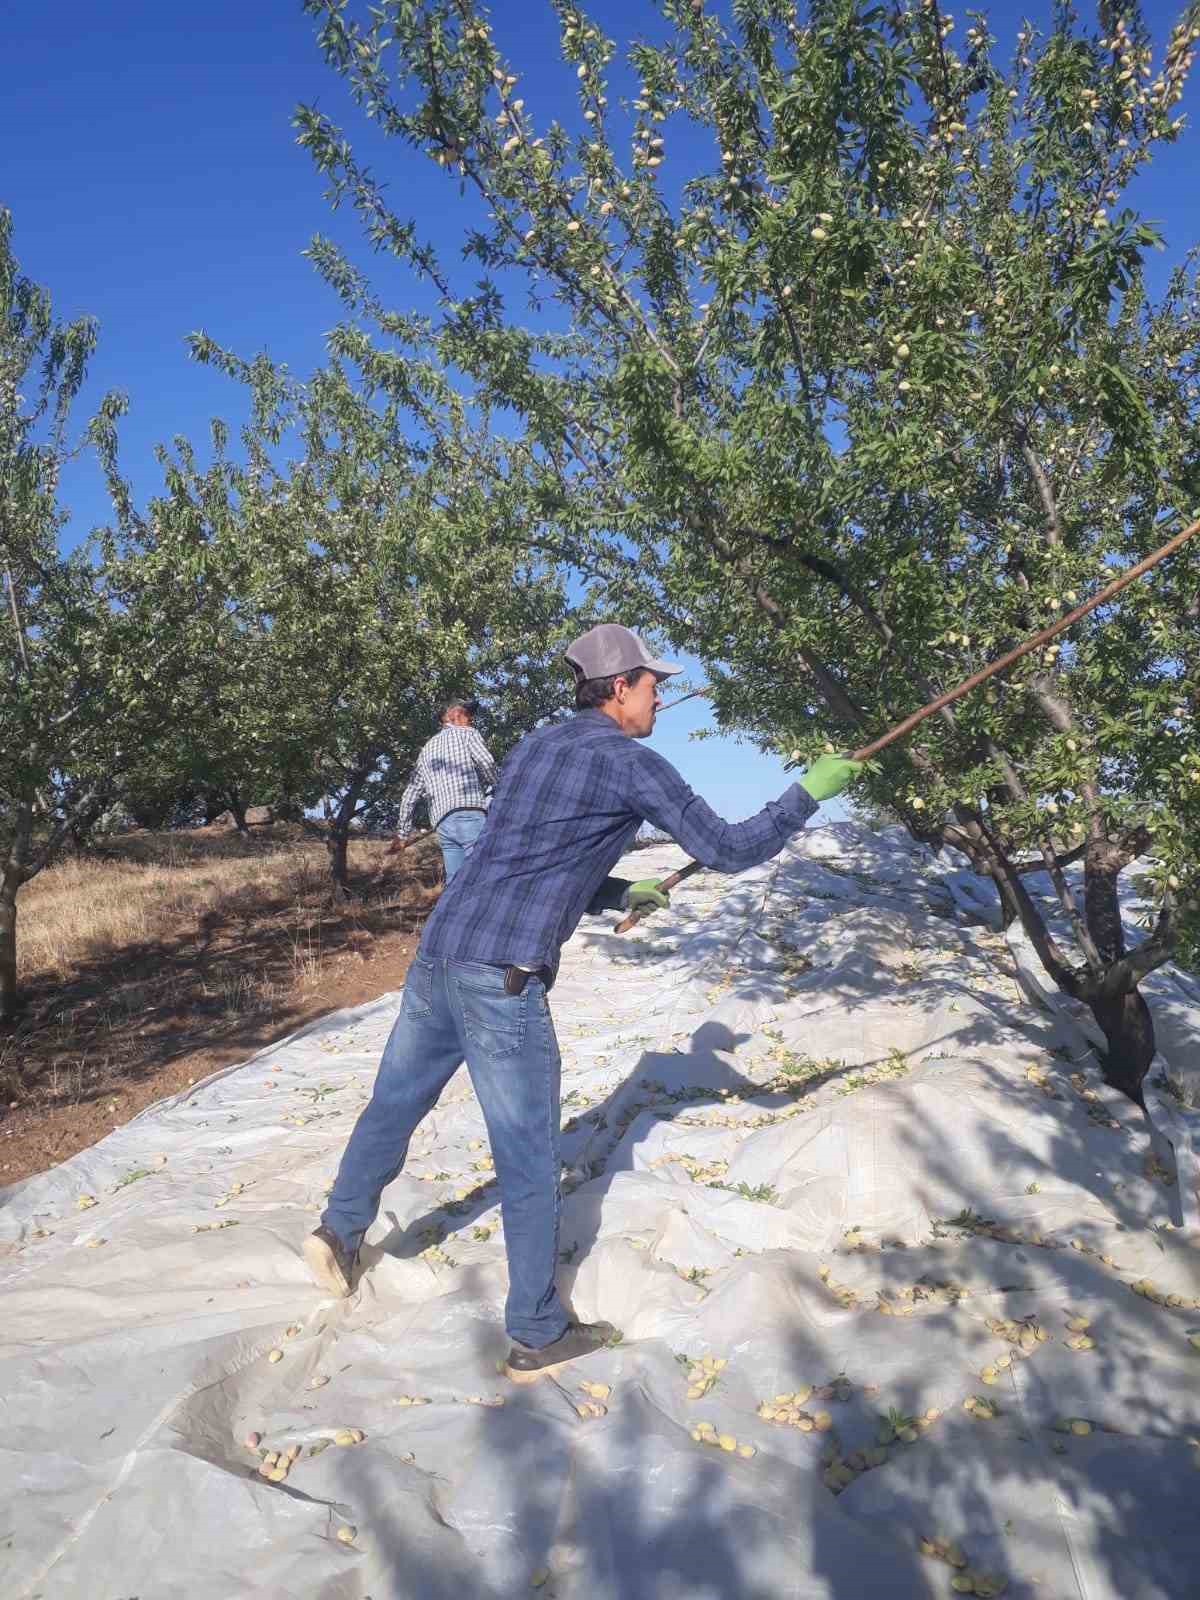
<point x="87" y="909"/>
<point x="131" y="955"/>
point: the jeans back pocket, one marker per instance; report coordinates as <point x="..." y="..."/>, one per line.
<point x="418" y="989"/>
<point x="494" y="1019"/>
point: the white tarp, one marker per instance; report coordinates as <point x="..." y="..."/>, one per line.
<point x="816" y="1134"/>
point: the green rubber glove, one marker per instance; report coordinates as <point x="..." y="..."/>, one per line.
<point x="829" y="775"/>
<point x="645" y="896"/>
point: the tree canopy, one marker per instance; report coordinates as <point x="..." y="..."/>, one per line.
<point x="865" y="393"/>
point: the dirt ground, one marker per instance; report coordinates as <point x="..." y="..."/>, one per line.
<point x="124" y="1025"/>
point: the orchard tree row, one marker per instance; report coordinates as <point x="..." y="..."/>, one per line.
<point x="283" y="627"/>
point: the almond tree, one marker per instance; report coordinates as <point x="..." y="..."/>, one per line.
<point x="190" y="569"/>
<point x="78" y="683"/>
<point x="366" y="561"/>
<point x="853" y="380"/>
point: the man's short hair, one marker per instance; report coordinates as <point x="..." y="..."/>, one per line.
<point x="471" y="707"/>
<point x="592" y="693"/>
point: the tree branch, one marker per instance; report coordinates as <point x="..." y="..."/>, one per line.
<point x="1125" y="975"/>
<point x="1058" y="713"/>
<point x="1062" y="859"/>
<point x="1045" y="491"/>
<point x="79" y="812"/>
<point x="16" y="616"/>
<point x="1053" y="958"/>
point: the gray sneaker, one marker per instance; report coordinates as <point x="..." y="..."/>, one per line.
<point x="331" y="1263"/>
<point x="581" y="1339"/>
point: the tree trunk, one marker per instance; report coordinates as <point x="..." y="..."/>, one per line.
<point x="1124" y="1017"/>
<point x="337" y="839"/>
<point x="1129" y="1033"/>
<point x="12" y="876"/>
<point x="78" y="831"/>
<point x="1010" y="911"/>
<point x="237" y="807"/>
<point x="8" y="953"/>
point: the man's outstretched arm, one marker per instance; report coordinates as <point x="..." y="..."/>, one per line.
<point x="658" y="793"/>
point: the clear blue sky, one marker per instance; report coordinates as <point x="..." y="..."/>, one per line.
<point x="154" y="180"/>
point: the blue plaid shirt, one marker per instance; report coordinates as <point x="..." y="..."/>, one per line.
<point x="569" y="801"/>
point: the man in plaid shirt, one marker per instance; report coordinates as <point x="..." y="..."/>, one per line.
<point x="454" y="771"/>
<point x="569" y="801"/>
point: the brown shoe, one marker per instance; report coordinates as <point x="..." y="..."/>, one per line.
<point x="581" y="1339"/>
<point x="331" y="1263"/>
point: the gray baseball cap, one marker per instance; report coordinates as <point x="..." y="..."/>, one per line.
<point x="608" y="649"/>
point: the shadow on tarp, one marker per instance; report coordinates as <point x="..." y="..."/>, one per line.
<point x="701" y="1065"/>
<point x="987" y="1025"/>
<point x="620" y="1510"/>
<point x="625" y="1507"/>
<point x="1040" y="1497"/>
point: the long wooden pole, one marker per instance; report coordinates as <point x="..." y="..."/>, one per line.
<point x="671" y="704"/>
<point x="999" y="665"/>
<point x="1014" y="655"/>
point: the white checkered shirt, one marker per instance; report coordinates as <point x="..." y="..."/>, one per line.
<point x="454" y="771"/>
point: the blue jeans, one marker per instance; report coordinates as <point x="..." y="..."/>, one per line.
<point x="454" y="1011"/>
<point x="457" y="833"/>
